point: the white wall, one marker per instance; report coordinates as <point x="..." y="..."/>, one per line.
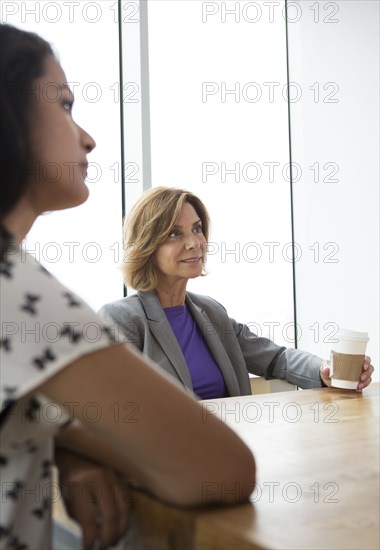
<point x="337" y="217"/>
<point x="212" y="76"/>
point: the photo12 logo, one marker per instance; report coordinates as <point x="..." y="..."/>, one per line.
<point x="269" y="92"/>
<point x="290" y="492"/>
<point x="29" y="11"/>
<point x="269" y="12"/>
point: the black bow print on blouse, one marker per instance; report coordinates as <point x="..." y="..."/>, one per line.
<point x="47" y="357"/>
<point x="30" y="302"/>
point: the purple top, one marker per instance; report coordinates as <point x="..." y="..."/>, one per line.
<point x="208" y="382"/>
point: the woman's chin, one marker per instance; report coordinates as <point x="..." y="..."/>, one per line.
<point x="67" y="203"/>
<point x="80" y="197"/>
<point x="195" y="275"/>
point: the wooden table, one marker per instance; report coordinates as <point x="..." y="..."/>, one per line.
<point x="317" y="454"/>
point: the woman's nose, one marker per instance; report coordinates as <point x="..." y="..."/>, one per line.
<point x="192" y="241"/>
<point x="88" y="141"/>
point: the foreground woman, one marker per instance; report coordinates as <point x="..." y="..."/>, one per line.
<point x="46" y="383"/>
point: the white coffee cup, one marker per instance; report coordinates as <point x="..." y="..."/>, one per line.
<point x="348" y="353"/>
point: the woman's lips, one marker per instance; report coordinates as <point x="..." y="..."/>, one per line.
<point x="84" y="166"/>
<point x="192" y="260"/>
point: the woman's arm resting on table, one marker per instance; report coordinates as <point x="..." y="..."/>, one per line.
<point x="95" y="496"/>
<point x="77" y="439"/>
<point x="168" y="444"/>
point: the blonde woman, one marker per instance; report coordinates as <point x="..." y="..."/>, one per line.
<point x="191" y="336"/>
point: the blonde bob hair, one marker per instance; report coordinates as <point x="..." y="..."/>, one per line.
<point x="148" y="226"/>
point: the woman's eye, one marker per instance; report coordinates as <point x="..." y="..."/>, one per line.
<point x="198" y="229"/>
<point x="174" y="233"/>
<point x="68" y="106"/>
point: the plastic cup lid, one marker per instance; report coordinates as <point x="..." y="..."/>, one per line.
<point x="344" y="334"/>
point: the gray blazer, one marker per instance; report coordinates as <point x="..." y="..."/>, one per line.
<point x="140" y="320"/>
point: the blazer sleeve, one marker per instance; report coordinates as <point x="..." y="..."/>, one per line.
<point x="265" y="358"/>
<point x="125" y="325"/>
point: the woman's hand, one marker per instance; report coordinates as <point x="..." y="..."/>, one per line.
<point x="95" y="497"/>
<point x="365" y="377"/>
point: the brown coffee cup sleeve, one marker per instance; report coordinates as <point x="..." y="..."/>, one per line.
<point x="347" y="366"/>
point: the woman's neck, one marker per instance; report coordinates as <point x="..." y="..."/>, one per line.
<point x="19" y="220"/>
<point x="172" y="296"/>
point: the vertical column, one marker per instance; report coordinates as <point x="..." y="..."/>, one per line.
<point x="134" y="94"/>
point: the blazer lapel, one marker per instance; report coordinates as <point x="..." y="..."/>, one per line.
<point x="162" y="331"/>
<point x="216" y="347"/>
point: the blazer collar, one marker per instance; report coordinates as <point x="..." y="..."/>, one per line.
<point x="152" y="306"/>
<point x="162" y="331"/>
